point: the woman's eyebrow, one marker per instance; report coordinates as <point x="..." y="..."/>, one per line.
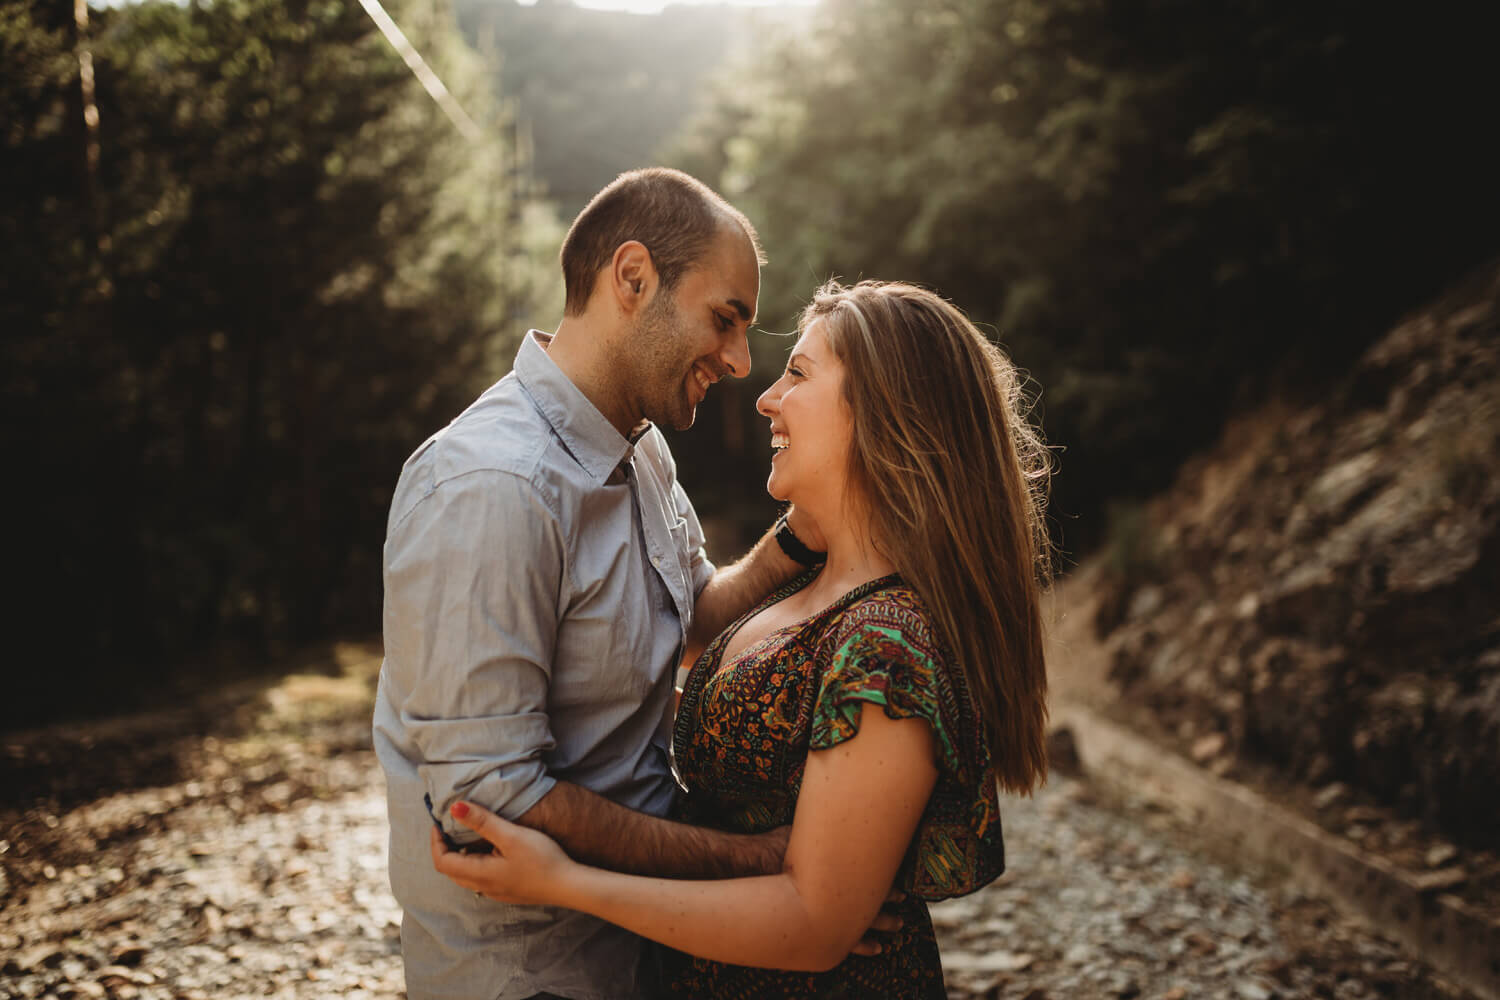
<point x="805" y="359"/>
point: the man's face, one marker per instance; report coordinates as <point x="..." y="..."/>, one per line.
<point x="694" y="335"/>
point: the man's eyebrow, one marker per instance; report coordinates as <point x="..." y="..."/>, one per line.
<point x="745" y="311"/>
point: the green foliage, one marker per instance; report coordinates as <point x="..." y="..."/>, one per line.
<point x="600" y="91"/>
<point x="1159" y="206"/>
<point x="289" y="269"/>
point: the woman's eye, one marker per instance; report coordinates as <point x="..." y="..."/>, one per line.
<point x="794" y="371"/>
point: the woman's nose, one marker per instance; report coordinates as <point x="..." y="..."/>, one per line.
<point x="769" y="400"/>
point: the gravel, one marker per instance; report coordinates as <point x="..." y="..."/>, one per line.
<point x="263" y="874"/>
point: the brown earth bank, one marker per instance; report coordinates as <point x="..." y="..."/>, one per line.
<point x="1311" y="608"/>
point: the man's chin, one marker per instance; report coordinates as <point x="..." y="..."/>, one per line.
<point x="678" y="420"/>
<point x="684" y="416"/>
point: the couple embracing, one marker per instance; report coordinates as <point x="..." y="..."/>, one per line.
<point x="864" y="682"/>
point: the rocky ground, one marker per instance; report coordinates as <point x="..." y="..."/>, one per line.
<point x="248" y="860"/>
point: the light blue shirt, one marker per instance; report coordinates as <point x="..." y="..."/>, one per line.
<point x="535" y="609"/>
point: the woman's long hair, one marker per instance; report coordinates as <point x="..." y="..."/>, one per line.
<point x="954" y="479"/>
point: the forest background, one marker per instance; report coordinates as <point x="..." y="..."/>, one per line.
<point x="247" y="264"/>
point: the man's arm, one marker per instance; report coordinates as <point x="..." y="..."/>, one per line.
<point x="472" y="581"/>
<point x="612" y="836"/>
<point x="604" y="833"/>
<point x="735" y="589"/>
<point x="472" y="574"/>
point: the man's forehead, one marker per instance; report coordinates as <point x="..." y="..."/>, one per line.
<point x="731" y="275"/>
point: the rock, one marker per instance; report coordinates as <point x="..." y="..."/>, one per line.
<point x="1440" y="854"/>
<point x="1207" y="747"/>
<point x="42" y="956"/>
<point x="128" y="954"/>
<point x="995" y="961"/>
<point x="137" y="977"/>
<point x="1062" y="751"/>
<point x="1441" y="880"/>
<point x="1200" y="943"/>
<point x="1330" y="795"/>
<point x="1144" y="603"/>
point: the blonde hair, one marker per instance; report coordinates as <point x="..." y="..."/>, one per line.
<point x="954" y="479"/>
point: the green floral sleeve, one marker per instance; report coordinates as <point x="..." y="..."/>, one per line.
<point x="883" y="665"/>
<point x="888" y="657"/>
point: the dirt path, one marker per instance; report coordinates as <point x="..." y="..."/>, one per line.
<point x="258" y="869"/>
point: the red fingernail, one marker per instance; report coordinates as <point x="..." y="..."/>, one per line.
<point x="460" y="810"/>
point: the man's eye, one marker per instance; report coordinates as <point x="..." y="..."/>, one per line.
<point x="724" y="322"/>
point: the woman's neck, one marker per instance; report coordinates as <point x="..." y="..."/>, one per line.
<point x="854" y="558"/>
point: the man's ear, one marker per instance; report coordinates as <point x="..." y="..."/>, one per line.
<point x="632" y="276"/>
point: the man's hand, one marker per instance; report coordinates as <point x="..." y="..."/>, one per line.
<point x="735" y="589"/>
<point x="885" y="924"/>
<point x="806" y="529"/>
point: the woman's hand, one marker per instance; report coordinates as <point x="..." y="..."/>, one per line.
<point x="526" y="866"/>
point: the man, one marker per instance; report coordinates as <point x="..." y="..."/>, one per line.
<point x="545" y="574"/>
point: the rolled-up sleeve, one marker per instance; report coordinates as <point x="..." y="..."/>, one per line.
<point x="473" y="582"/>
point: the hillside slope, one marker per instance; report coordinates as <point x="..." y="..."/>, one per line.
<point x="1316" y="596"/>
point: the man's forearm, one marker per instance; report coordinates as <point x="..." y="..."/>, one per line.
<point x="597" y="831"/>
<point x="734" y="589"/>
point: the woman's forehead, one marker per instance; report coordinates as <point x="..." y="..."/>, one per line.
<point x="813" y="342"/>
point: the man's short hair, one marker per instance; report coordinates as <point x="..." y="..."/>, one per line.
<point x="675" y="216"/>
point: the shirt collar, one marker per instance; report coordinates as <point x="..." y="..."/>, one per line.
<point x="588" y="435"/>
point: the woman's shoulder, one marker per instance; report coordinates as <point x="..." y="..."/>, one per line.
<point x="893" y="607"/>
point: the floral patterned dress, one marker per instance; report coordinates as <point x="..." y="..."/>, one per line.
<point x="741" y="741"/>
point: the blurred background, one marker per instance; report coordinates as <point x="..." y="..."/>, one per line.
<point x="250" y="258"/>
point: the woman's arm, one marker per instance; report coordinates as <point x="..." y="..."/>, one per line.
<point x="859" y="807"/>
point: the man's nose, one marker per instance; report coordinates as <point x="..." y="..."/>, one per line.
<point x="736" y="353"/>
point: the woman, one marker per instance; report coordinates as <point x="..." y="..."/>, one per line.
<point x="897" y="685"/>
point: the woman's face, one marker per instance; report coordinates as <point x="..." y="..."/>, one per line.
<point x="811" y="427"/>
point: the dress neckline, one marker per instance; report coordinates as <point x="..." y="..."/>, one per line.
<point x="715" y="650"/>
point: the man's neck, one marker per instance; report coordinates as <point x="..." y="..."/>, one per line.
<point x="582" y="351"/>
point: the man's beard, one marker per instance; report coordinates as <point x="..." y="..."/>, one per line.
<point x="664" y="366"/>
